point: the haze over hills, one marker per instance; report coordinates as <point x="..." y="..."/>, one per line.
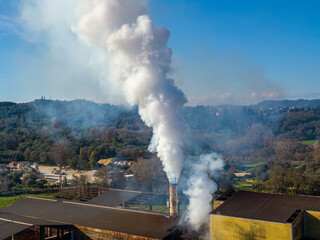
<point x="271" y="133"/>
<point x="199" y="117"/>
<point x="81" y="115"/>
<point x="299" y="103"/>
<point x="28" y="130"/>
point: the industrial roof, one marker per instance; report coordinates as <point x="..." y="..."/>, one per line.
<point x="11" y="224"/>
<point x="7" y="229"/>
<point x="144" y="224"/>
<point x="266" y="206"/>
<point x="28" y="220"/>
<point x="113" y="197"/>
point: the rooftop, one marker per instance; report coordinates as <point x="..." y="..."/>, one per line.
<point x="127" y="221"/>
<point x="114" y="197"/>
<point x="11" y="224"/>
<point x="266" y="206"/>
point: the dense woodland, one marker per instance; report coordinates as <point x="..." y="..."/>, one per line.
<point x="79" y="133"/>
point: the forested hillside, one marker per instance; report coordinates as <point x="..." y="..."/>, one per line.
<point x="33" y="131"/>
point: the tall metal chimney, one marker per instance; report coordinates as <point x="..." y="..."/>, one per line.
<point x="174" y="200"/>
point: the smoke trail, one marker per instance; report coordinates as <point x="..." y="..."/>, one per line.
<point x="201" y="188"/>
<point x="139" y="64"/>
<point x="132" y="56"/>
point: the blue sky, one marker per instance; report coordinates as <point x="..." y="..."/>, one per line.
<point x="225" y="51"/>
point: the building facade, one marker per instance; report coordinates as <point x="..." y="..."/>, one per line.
<point x="263" y="216"/>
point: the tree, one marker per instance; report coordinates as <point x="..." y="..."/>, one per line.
<point x="84" y="155"/>
<point x="277" y="178"/>
<point x="44" y="158"/>
<point x="98" y="153"/>
<point x="102" y="176"/>
<point x="94" y="157"/>
<point x="7" y="181"/>
<point x="80" y="182"/>
<point x="65" y="182"/>
<point x="284" y="178"/>
<point x="29" y="180"/>
<point x="149" y="174"/>
<point x="257" y="136"/>
<point x="61" y="151"/>
<point x="118" y="179"/>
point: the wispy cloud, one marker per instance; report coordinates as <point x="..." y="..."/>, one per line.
<point x="8" y="25"/>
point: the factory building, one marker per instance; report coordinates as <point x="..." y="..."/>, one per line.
<point x="43" y="218"/>
<point x="251" y="215"/>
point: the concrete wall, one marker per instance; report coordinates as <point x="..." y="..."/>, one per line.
<point x="229" y="228"/>
<point x="312" y="225"/>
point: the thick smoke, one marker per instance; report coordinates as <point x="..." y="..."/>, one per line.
<point x="139" y="64"/>
<point x="131" y="57"/>
<point x="201" y="188"/>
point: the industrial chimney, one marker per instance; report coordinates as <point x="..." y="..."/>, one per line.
<point x="174" y="200"/>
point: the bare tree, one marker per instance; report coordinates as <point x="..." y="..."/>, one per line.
<point x="60" y="152"/>
<point x="102" y="176"/>
<point x="118" y="179"/>
<point x="148" y="173"/>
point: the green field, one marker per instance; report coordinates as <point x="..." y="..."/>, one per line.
<point x="308" y="142"/>
<point x="156" y="208"/>
<point x="253" y="165"/>
<point x="8" y="201"/>
<point x="298" y="164"/>
<point x="41" y="195"/>
<point x="242" y="184"/>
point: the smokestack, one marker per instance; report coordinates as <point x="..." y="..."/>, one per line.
<point x="174" y="200"/>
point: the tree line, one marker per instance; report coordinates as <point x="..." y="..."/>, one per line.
<point x="86" y="132"/>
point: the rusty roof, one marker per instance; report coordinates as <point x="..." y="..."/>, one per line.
<point x="266" y="206"/>
<point x="119" y="220"/>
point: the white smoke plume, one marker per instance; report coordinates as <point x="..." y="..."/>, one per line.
<point x="139" y="64"/>
<point x="130" y="56"/>
<point x="201" y="188"/>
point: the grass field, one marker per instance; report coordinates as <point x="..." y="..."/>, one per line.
<point x="242" y="184"/>
<point x="308" y="142"/>
<point x="253" y="165"/>
<point x="8" y="201"/>
<point x="41" y="195"/>
<point x="156" y="208"/>
<point x="298" y="164"/>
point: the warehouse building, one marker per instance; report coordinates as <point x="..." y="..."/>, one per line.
<point x="251" y="215"/>
<point x="40" y="218"/>
<point x="26" y="228"/>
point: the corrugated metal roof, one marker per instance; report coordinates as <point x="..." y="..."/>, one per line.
<point x="266" y="206"/>
<point x="7" y="229"/>
<point x="100" y="217"/>
<point x="29" y="220"/>
<point x="113" y="198"/>
<point x="11" y="224"/>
